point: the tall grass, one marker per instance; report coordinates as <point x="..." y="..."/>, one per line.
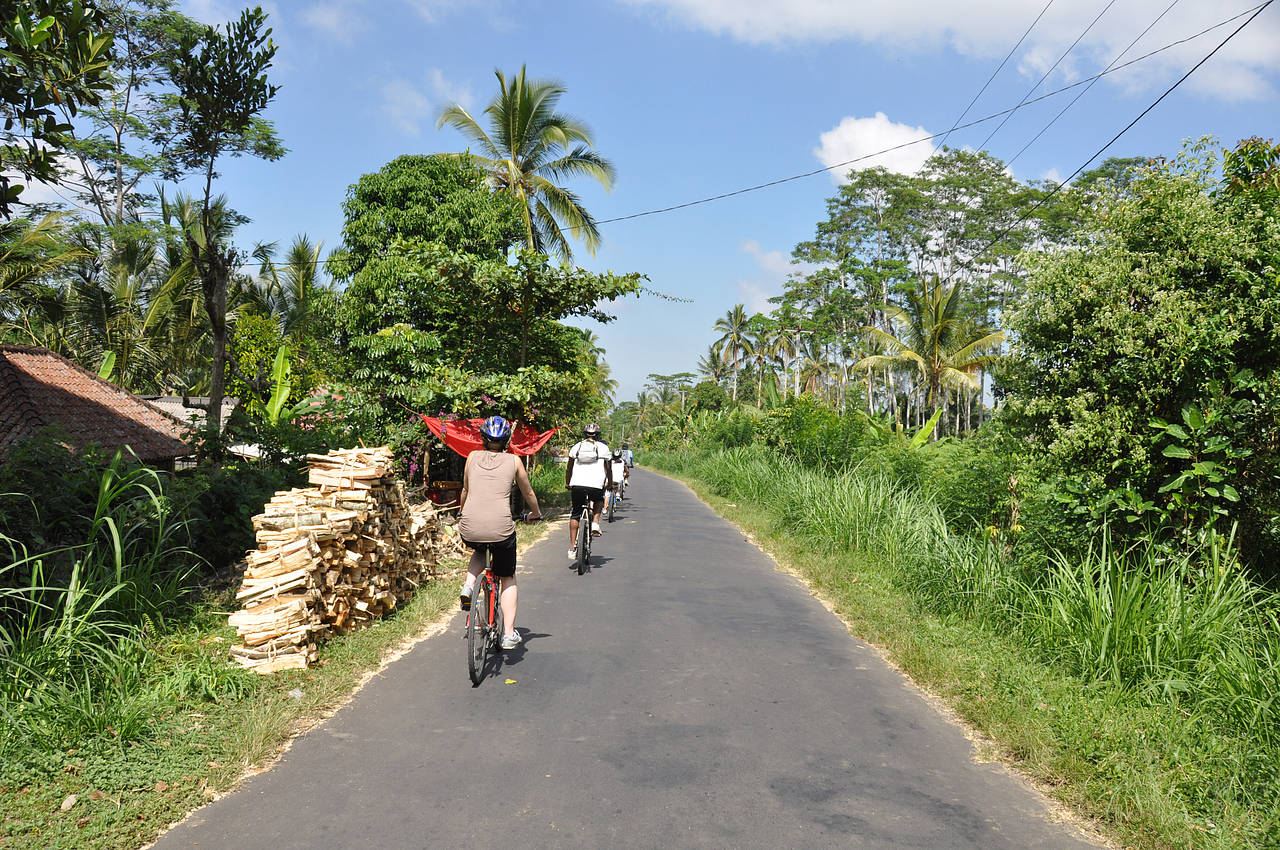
<point x="1189" y="628"/>
<point x="75" y="623"/>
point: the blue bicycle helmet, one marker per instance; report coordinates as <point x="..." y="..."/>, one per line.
<point x="496" y="429"/>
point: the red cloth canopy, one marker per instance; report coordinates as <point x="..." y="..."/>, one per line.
<point x="463" y="435"/>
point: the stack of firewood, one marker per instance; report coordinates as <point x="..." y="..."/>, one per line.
<point x="332" y="558"/>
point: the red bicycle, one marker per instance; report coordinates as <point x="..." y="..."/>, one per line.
<point x="484" y="620"/>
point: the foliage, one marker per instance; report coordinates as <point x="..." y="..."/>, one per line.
<point x="530" y="146"/>
<point x="222" y="87"/>
<point x="1145" y="373"/>
<point x="55" y="57"/>
<point x="129" y="137"/>
<point x="437" y="199"/>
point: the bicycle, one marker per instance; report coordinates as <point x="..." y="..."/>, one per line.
<point x="613" y="497"/>
<point x="583" y="561"/>
<point x="484" y="624"/>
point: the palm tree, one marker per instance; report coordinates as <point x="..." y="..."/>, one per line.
<point x="713" y="364"/>
<point x="944" y="347"/>
<point x="734" y="328"/>
<point x="287" y="290"/>
<point x="530" y="145"/>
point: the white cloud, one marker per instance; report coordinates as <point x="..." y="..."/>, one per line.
<point x="772" y="268"/>
<point x="855" y="138"/>
<point x="409" y="105"/>
<point x="448" y="91"/>
<point x="338" y="19"/>
<point x="1052" y="176"/>
<point x="1246" y="68"/>
<point x="405" y="105"/>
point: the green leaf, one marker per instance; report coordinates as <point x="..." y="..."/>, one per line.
<point x="107" y="366"/>
<point x="1191" y="415"/>
<point x="1229" y="493"/>
<point x="1176" y="451"/>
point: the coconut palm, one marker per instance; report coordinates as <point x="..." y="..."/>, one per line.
<point x="287" y="289"/>
<point x="713" y="364"/>
<point x="941" y="344"/>
<point x="529" y="146"/>
<point x="735" y="328"/>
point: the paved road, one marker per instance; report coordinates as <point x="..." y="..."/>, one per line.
<point x="682" y="694"/>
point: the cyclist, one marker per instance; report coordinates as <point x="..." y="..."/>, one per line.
<point x="618" y="471"/>
<point x="586" y="475"/>
<point x="629" y="459"/>
<point x="486" y="524"/>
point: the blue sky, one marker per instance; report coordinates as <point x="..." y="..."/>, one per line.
<point x="691" y="98"/>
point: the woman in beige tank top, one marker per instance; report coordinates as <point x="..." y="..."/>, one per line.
<point x="485" y="522"/>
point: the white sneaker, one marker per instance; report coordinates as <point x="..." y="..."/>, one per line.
<point x="464" y="597"/>
<point x="511" y="641"/>
<point x="573" y="554"/>
<point x="595" y="528"/>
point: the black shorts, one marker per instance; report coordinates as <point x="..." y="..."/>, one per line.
<point x="504" y="554"/>
<point x="580" y="496"/>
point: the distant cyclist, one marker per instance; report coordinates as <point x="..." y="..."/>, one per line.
<point x="486" y="524"/>
<point x="618" y="472"/>
<point x="628" y="458"/>
<point x="587" y="474"/>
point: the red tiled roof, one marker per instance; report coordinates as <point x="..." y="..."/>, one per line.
<point x="39" y="388"/>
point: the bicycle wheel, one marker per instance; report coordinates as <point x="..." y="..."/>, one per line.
<point x="478" y="636"/>
<point x="613" y="500"/>
<point x="584" y="540"/>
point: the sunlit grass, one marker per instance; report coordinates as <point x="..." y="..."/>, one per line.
<point x="1142" y="686"/>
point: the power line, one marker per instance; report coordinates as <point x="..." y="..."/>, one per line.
<point x="994" y="73"/>
<point x="1046" y="74"/>
<point x="931" y="136"/>
<point x="1058" y="188"/>
<point x="1085" y="91"/>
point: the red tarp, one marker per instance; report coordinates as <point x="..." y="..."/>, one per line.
<point x="463" y="435"/>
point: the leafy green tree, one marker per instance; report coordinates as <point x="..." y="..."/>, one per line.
<point x="934" y="337"/>
<point x="55" y="57"/>
<point x="437" y="199"/>
<point x="528" y="147"/>
<point x="220" y="76"/>
<point x="130" y="136"/>
<point x="1163" y="318"/>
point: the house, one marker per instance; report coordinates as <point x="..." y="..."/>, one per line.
<point x="39" y="389"/>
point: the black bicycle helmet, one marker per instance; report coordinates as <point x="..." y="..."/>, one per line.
<point x="591" y="432"/>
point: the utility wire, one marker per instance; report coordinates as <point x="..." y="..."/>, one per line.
<point x="1046" y="74"/>
<point x="931" y="136"/>
<point x="994" y="73"/>
<point x="1255" y="10"/>
<point x="1085" y="90"/>
<point x="1058" y="188"/>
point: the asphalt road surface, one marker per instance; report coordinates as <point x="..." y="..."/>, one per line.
<point x="684" y="693"/>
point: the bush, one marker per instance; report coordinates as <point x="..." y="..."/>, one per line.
<point x="220" y="503"/>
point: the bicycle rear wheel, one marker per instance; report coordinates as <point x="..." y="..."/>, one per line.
<point x="613" y="500"/>
<point x="478" y="636"/>
<point x="584" y="540"/>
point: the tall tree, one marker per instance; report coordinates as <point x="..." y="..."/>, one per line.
<point x="130" y="136"/>
<point x="528" y="148"/>
<point x="935" y="338"/>
<point x="735" y="337"/>
<point x="55" y="57"/>
<point x="220" y="76"/>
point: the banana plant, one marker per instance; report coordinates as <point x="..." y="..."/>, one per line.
<point x="275" y="410"/>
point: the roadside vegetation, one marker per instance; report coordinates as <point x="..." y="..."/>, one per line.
<point x="120" y="709"/>
<point x="1025" y="439"/>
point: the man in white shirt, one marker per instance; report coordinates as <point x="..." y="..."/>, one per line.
<point x="587" y="474"/>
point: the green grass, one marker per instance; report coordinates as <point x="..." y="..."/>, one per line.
<point x="1135" y="695"/>
<point x="170" y="721"/>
